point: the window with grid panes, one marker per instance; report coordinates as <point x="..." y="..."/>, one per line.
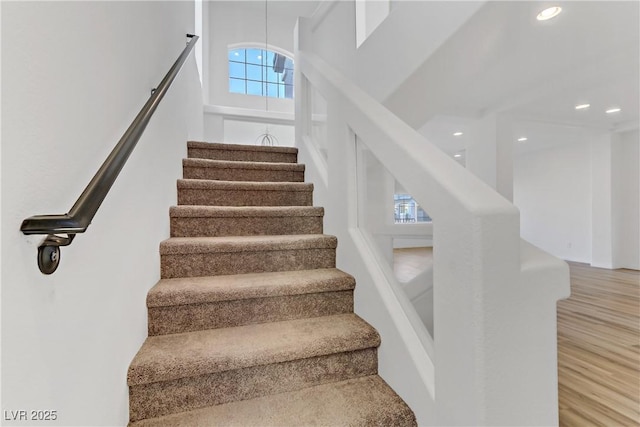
<point x="260" y="72"/>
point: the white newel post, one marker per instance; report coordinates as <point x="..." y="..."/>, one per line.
<point x="475" y="264"/>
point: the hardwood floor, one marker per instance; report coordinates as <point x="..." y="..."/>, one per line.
<point x="409" y="262"/>
<point x="598" y="342"/>
<point x="599" y="348"/>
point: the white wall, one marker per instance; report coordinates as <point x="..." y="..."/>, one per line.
<point x="552" y="189"/>
<point x="601" y="203"/>
<point x="249" y="133"/>
<point x="578" y="193"/>
<point x="626" y="195"/>
<point x="398" y="43"/>
<point x="74" y="76"/>
<point x="369" y="15"/>
<point x="232" y="23"/>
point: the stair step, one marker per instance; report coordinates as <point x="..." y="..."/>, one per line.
<point x="180" y="372"/>
<point x="238" y="152"/>
<point x="242" y="171"/>
<point x="234" y="193"/>
<point x="210" y="221"/>
<point x="211" y="256"/>
<point x="366" y="401"/>
<point x="189" y="304"/>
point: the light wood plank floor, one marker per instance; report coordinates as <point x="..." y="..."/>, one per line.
<point x="598" y="342"/>
<point x="599" y="348"/>
<point x="409" y="262"/>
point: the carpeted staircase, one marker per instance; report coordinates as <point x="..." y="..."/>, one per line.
<point x="251" y="323"/>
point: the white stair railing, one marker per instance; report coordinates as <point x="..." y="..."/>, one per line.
<point x="493" y="360"/>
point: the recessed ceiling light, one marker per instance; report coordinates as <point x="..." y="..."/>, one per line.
<point x="613" y="110"/>
<point x="457" y="155"/>
<point x="236" y="53"/>
<point x="582" y="106"/>
<point x="523" y="139"/>
<point x="457" y="134"/>
<point x="549" y="13"/>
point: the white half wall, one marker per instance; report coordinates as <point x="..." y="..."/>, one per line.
<point x="74" y="76"/>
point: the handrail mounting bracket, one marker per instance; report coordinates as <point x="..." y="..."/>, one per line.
<point x="49" y="252"/>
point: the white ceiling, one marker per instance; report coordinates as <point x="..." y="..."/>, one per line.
<point x="590" y="53"/>
<point x="504" y="60"/>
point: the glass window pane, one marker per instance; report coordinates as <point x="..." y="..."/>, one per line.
<point x="254" y="72"/>
<point x="287" y="78"/>
<point x="407" y="210"/>
<point x="254" y="56"/>
<point x="272" y="77"/>
<point x="236" y="70"/>
<point x="237" y="86"/>
<point x="236" y="55"/>
<point x="272" y="90"/>
<point x="288" y="64"/>
<point x="254" y="88"/>
<point x="269" y="60"/>
<point x="251" y="71"/>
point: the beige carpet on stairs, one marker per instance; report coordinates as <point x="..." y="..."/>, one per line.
<point x="251" y="323"/>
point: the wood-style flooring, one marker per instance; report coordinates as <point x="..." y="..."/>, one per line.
<point x="598" y="342"/>
<point x="599" y="348"/>
<point x="409" y="262"/>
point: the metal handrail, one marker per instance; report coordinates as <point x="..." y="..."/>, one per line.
<point x="85" y="208"/>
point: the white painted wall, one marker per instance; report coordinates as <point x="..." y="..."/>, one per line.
<point x="578" y="194"/>
<point x="74" y="76"/>
<point x="250" y="133"/>
<point x="552" y="189"/>
<point x="233" y="23"/>
<point x="397" y="44"/>
<point x="601" y="202"/>
<point x="626" y="195"/>
<point x="242" y="23"/>
<point x="369" y="15"/>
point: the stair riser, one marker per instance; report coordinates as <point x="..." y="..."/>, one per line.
<point x="245" y="226"/>
<point x="187" y="196"/>
<point x="256" y="175"/>
<point x="162" y="398"/>
<point x="241" y="155"/>
<point x="223" y="314"/>
<point x="211" y="264"/>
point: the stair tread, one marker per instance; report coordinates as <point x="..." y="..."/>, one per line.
<point x="198" y="211"/>
<point x="363" y="401"/>
<point x="236" y="164"/>
<point x="240" y="147"/>
<point x="169" y="357"/>
<point x="211" y="184"/>
<point x="197" y="290"/>
<point x="194" y="245"/>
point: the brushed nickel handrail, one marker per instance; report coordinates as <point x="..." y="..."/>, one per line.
<point x="85" y="208"/>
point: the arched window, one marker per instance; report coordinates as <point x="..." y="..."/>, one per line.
<point x="260" y="72"/>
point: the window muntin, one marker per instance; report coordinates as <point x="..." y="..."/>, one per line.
<point x="260" y="72"/>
